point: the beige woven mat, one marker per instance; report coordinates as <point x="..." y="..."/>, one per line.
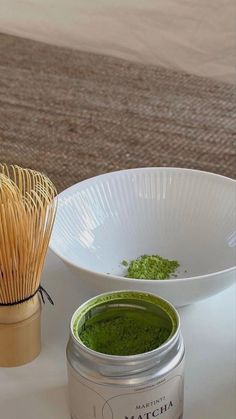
<point x="74" y="115"/>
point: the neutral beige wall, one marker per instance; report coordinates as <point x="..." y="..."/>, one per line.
<point x="194" y="35"/>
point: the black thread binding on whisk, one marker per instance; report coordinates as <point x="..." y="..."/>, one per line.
<point x="42" y="293"/>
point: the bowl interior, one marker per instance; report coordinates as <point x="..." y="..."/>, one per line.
<point x="177" y="213"/>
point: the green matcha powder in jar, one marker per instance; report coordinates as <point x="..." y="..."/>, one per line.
<point x="125" y="358"/>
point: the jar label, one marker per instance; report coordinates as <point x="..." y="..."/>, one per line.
<point x="158" y="399"/>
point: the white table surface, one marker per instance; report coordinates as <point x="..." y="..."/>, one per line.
<point x="39" y="390"/>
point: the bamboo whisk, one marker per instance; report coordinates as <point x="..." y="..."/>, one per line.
<point x="27" y="212"/>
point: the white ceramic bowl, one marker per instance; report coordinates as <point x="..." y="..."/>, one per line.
<point x="180" y="214"/>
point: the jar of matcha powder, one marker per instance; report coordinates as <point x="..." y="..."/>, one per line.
<point x="125" y="358"/>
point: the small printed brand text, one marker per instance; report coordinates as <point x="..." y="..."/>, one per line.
<point x="154" y="414"/>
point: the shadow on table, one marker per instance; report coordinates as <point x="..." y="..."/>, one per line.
<point x="50" y="402"/>
<point x="64" y="288"/>
<point x="199" y="407"/>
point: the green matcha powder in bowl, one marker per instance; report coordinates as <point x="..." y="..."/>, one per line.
<point x="151" y="267"/>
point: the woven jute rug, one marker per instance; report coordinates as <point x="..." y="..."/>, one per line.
<point x="74" y="115"/>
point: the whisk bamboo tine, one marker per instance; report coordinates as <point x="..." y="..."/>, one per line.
<point x="27" y="213"/>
